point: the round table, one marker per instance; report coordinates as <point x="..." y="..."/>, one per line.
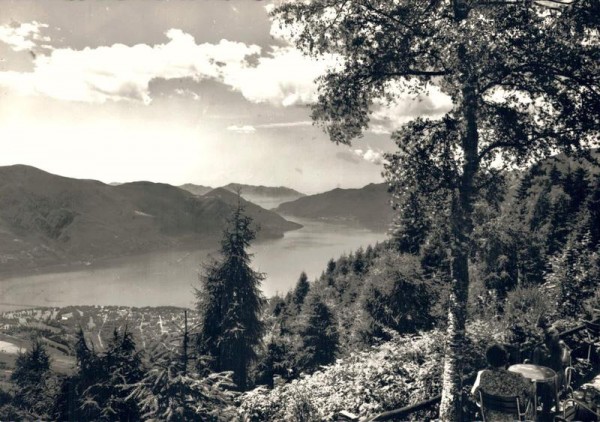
<point x="537" y="374"/>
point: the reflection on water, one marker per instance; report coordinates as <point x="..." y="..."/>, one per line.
<point x="168" y="278"/>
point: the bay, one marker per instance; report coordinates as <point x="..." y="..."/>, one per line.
<point x="168" y="278"/>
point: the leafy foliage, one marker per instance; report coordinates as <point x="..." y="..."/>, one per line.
<point x="523" y="79"/>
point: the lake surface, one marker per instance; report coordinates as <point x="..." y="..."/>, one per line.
<point x="169" y="278"/>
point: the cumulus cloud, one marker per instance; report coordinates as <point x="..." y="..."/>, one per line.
<point x="245" y="129"/>
<point x="370" y="155"/>
<point x="121" y="72"/>
<point x="283" y="76"/>
<point x="23" y="36"/>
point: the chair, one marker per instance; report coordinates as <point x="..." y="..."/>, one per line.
<point x="575" y="410"/>
<point x="510" y="405"/>
<point x="567" y="388"/>
<point x="591" y="329"/>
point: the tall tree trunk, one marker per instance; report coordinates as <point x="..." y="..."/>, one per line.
<point x="461" y="228"/>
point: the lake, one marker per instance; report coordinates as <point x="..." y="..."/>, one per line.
<point x="168" y="278"/>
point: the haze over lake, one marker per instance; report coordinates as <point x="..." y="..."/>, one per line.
<point x="168" y="278"/>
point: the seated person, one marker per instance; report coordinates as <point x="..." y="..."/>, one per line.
<point x="554" y="354"/>
<point x="497" y="380"/>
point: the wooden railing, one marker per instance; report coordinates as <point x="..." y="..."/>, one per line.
<point x="429" y="404"/>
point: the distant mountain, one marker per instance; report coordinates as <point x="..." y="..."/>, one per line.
<point x="269" y="222"/>
<point x="368" y="207"/>
<point x="52" y="220"/>
<point x="197" y="190"/>
<point x="266" y="196"/>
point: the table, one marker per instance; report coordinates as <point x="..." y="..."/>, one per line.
<point x="537" y="374"/>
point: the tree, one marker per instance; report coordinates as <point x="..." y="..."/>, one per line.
<point x="104" y="383"/>
<point x="319" y="333"/>
<point x="576" y="272"/>
<point x="31" y="377"/>
<point x="230" y="303"/>
<point x="410" y="226"/>
<point x="523" y="78"/>
<point x="101" y="388"/>
<point x="172" y="391"/>
<point x="301" y="290"/>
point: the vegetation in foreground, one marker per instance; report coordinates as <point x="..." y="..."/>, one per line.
<point x="364" y="337"/>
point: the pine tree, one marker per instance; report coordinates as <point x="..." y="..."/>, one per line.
<point x="576" y="271"/>
<point x="301" y="290"/>
<point x="230" y="303"/>
<point x="359" y="266"/>
<point x="172" y="391"/>
<point x="123" y="365"/>
<point x="31" y="377"/>
<point x="410" y="226"/>
<point x="593" y="208"/>
<point x="101" y="389"/>
<point x="319" y="334"/>
<point x="330" y="267"/>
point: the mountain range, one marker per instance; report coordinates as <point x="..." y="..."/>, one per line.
<point x="267" y="197"/>
<point x="48" y="220"/>
<point x="367" y="207"/>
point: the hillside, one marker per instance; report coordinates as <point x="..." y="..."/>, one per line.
<point x="266" y="196"/>
<point x="51" y="220"/>
<point x="269" y="223"/>
<point x="368" y="207"/>
<point x="197" y="190"/>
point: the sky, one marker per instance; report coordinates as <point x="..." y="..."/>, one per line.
<point x="205" y="92"/>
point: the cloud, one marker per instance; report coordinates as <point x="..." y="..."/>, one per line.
<point x="283" y="76"/>
<point x="278" y="125"/>
<point x="121" y="72"/>
<point x="388" y="117"/>
<point x="186" y="93"/>
<point x="24" y="36"/>
<point x="370" y="155"/>
<point x="246" y="129"/>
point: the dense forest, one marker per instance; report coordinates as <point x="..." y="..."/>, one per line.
<point x="366" y="336"/>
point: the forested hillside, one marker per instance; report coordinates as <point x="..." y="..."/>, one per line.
<point x="365" y="337"/>
<point x="367" y="207"/>
<point x="536" y="261"/>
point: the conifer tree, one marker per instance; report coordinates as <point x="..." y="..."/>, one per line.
<point x="31" y="377"/>
<point x="301" y="290"/>
<point x="230" y="303"/>
<point x="593" y="209"/>
<point x="101" y="389"/>
<point x="410" y="226"/>
<point x="319" y="333"/>
<point x="172" y="391"/>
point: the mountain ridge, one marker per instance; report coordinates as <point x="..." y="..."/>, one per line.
<point x="368" y="206"/>
<point x="46" y="219"/>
